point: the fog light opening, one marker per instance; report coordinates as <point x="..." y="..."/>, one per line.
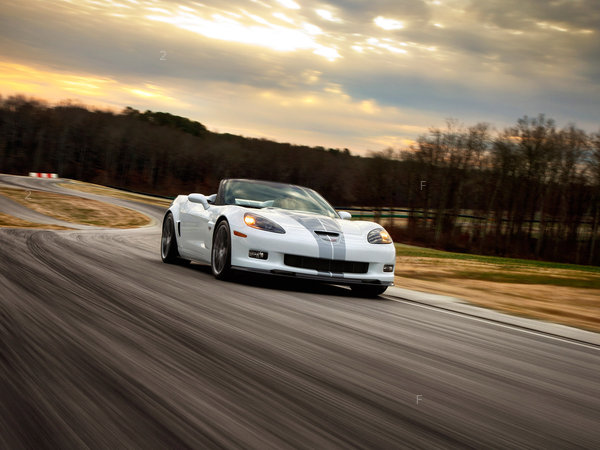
<point x="257" y="254"/>
<point x="388" y="268"/>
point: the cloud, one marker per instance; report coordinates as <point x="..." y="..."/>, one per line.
<point x="523" y="14"/>
<point x="364" y="11"/>
<point x="291" y="4"/>
<point x="487" y="60"/>
<point x="388" y="24"/>
<point x="327" y="117"/>
<point x="328" y="15"/>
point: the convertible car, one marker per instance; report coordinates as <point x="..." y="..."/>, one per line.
<point x="277" y="229"/>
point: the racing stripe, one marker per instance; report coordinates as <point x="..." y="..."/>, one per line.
<point x="327" y="249"/>
<point x="311" y="224"/>
<point x="339" y="248"/>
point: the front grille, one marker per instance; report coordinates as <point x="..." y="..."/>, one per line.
<point x="325" y="265"/>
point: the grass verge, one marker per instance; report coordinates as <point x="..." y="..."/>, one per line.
<point x="115" y="193"/>
<point x="411" y="250"/>
<point x="7" y="221"/>
<point x="76" y="209"/>
<point x="561" y="293"/>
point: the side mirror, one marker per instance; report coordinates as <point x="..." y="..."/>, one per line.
<point x="345" y="215"/>
<point x="199" y="198"/>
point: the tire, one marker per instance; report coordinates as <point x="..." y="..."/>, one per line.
<point x="220" y="255"/>
<point x="370" y="291"/>
<point x="168" y="243"/>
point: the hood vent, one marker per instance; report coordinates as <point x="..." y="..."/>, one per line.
<point x="327" y="233"/>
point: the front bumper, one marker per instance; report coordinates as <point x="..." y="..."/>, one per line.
<point x="333" y="278"/>
<point x="356" y="248"/>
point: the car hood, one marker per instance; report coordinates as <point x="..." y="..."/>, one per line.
<point x="290" y="220"/>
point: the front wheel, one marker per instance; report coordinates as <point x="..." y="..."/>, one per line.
<point x="366" y="290"/>
<point x="220" y="260"/>
<point x="168" y="246"/>
<point x="168" y="243"/>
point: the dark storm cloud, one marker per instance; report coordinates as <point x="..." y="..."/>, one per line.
<point x="521" y="14"/>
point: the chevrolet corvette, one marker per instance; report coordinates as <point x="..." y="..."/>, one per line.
<point x="278" y="229"/>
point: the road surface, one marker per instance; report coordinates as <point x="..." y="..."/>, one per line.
<point x="103" y="345"/>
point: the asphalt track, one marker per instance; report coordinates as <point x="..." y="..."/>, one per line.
<point x="104" y="346"/>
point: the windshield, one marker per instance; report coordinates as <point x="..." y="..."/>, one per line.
<point x="258" y="194"/>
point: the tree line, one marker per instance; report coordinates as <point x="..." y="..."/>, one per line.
<point x="531" y="190"/>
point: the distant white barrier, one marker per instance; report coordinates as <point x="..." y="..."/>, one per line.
<point x="43" y="175"/>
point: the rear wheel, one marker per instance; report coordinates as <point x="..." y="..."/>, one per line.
<point x="220" y="260"/>
<point x="366" y="290"/>
<point x="168" y="242"/>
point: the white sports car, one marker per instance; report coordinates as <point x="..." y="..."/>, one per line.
<point x="278" y="229"/>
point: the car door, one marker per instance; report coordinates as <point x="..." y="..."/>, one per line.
<point x="194" y="231"/>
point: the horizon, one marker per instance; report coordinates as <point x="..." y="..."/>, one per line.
<point x="450" y="125"/>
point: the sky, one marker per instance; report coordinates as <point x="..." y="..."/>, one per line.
<point x="363" y="75"/>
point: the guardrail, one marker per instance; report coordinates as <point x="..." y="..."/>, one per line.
<point x="402" y="213"/>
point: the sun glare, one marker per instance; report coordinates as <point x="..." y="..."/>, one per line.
<point x="261" y="33"/>
<point x="142" y="93"/>
<point x="291" y="4"/>
<point x="388" y="24"/>
<point x="327" y="15"/>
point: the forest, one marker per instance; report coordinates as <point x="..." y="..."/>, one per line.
<point x="531" y="190"/>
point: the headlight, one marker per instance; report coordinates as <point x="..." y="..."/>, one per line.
<point x="379" y="236"/>
<point x="262" y="223"/>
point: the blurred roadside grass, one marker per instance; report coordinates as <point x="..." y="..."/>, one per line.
<point x="7" y="221"/>
<point x="562" y="293"/>
<point x="115" y="193"/>
<point x="411" y="250"/>
<point x="76" y="209"/>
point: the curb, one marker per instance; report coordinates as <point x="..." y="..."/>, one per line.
<point x="459" y="306"/>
